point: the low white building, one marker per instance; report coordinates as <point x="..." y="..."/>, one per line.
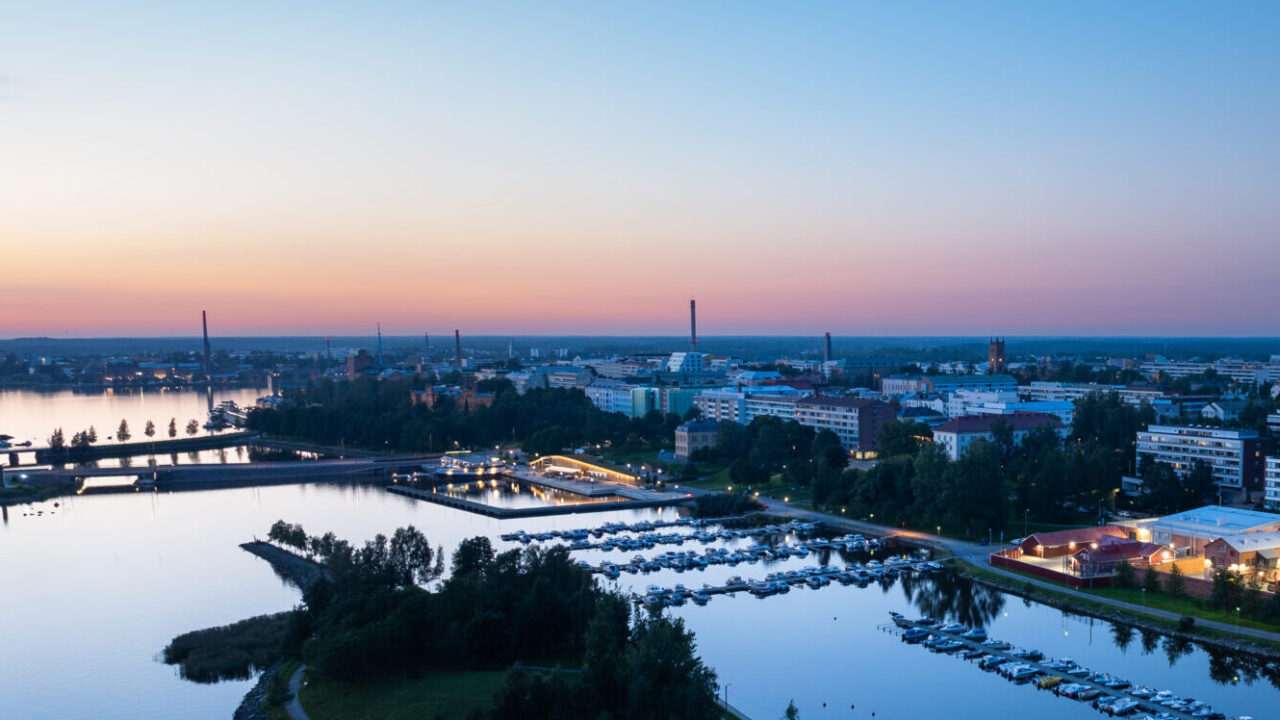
<point x="957" y="435"/>
<point x="1222" y="410"/>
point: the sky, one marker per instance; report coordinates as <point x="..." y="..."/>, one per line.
<point x="863" y="168"/>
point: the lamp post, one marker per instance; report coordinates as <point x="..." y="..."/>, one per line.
<point x="1026" y="513"/>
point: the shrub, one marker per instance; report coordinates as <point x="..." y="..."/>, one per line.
<point x="1186" y="623"/>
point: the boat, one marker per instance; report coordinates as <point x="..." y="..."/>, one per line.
<point x="914" y="635"/>
<point x="1088" y="693"/>
<point x="699" y="597"/>
<point x="991" y="662"/>
<point x="948" y="646"/>
<point x="973" y="654"/>
<point x="953" y="628"/>
<point x="976" y="634"/>
<point x="997" y="644"/>
<point x="1072" y="690"/>
<point x="899" y="619"/>
<point x="1049" y="682"/>
<point x="1026" y="672"/>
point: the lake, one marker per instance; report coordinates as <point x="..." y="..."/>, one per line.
<point x="97" y="585"/>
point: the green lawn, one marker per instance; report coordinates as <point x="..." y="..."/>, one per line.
<point x="1155" y="601"/>
<point x="448" y="695"/>
<point x="1183" y="605"/>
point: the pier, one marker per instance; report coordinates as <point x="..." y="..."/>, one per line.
<point x="506" y="513"/>
<point x="975" y="650"/>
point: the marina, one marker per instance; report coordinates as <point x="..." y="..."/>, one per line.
<point x="1064" y="677"/>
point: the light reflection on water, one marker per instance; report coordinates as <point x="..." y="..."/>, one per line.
<point x="514" y="494"/>
<point x="95" y="587"/>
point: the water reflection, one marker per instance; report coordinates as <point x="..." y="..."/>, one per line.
<point x="950" y="596"/>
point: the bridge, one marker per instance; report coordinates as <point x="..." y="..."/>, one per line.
<point x="235" y="474"/>
<point x="49" y="455"/>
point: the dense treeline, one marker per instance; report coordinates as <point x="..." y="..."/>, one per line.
<point x="231" y="652"/>
<point x="381" y="415"/>
<point x="494" y="610"/>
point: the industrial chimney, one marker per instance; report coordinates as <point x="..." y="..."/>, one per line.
<point x="457" y="350"/>
<point x="826" y="348"/>
<point x="693" y="325"/>
<point x="208" y="356"/>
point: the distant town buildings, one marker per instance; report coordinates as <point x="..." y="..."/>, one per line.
<point x="854" y="420"/>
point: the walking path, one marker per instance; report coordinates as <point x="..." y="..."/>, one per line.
<point x="976" y="555"/>
<point x="294" y="706"/>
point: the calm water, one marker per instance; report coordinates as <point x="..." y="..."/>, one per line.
<point x="32" y="416"/>
<point x="94" y="588"/>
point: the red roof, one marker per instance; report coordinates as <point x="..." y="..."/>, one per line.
<point x="1078" y="536"/>
<point x="1117" y="550"/>
<point x="983" y="423"/>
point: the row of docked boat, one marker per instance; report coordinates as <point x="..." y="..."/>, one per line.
<point x="689" y="560"/>
<point x="1063" y="676"/>
<point x="776" y="551"/>
<point x="781" y="582"/>
<point x="649" y="526"/>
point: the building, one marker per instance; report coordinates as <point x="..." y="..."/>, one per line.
<point x="952" y="383"/>
<point x="753" y="378"/>
<point x="1189" y="532"/>
<point x="995" y="356"/>
<point x="1241" y="371"/>
<point x="610" y="395"/>
<point x="957" y="435"/>
<point x="1273" y="422"/>
<point x="695" y="435"/>
<point x="1066" y="542"/>
<point x="902" y="384"/>
<point x="1271" y="500"/>
<point x="1064" y="411"/>
<point x="959" y="402"/>
<point x="743" y="406"/>
<point x="1250" y="552"/>
<point x="854" y="420"/>
<point x="1101" y="558"/>
<point x="465" y="399"/>
<point x="359" y="363"/>
<point x="1223" y="410"/>
<point x="1234" y="456"/>
<point x="686" y="362"/>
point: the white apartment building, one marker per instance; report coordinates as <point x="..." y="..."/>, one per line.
<point x="1064" y="411"/>
<point x="744" y="405"/>
<point x="1272" y="499"/>
<point x="610" y="395"/>
<point x="959" y="402"/>
<point x="1234" y="456"/>
<point x="854" y="420"/>
<point x="957" y="435"/>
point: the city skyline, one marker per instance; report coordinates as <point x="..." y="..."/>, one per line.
<point x="859" y="169"/>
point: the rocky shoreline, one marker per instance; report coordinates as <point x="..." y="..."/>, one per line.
<point x="253" y="706"/>
<point x="293" y="567"/>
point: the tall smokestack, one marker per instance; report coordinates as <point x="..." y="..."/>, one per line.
<point x="208" y="356"/>
<point x="457" y="347"/>
<point x="426" y="345"/>
<point x="826" y="348"/>
<point x="379" y="346"/>
<point x="693" y="324"/>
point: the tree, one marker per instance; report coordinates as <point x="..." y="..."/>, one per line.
<point x="56" y="440"/>
<point x="1123" y="577"/>
<point x="1228" y="588"/>
<point x="1177" y="585"/>
<point x="1151" y="580"/>
<point x="80" y="440"/>
<point x="792" y="713"/>
<point x="193" y="427"/>
<point x="901" y="437"/>
<point x="92" y="434"/>
<point x="1200" y="482"/>
<point x="150" y="430"/>
<point x="173" y="427"/>
<point x="122" y="432"/>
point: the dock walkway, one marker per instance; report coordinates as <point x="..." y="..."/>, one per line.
<point x="1013" y="655"/>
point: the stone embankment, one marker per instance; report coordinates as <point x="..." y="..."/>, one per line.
<point x="293" y="567"/>
<point x="252" y="707"/>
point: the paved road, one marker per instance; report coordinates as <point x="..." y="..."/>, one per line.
<point x="977" y="555"/>
<point x="294" y="706"/>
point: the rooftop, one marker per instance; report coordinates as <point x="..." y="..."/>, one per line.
<point x="1218" y="521"/>
<point x="1249" y="542"/>
<point x="984" y="423"/>
<point x="845" y="402"/>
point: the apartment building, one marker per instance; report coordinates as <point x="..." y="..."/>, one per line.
<point x="1236" y="457"/>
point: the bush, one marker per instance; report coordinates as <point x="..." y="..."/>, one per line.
<point x="1186" y="623"/>
<point x="231" y="652"/>
<point x="1123" y="577"/>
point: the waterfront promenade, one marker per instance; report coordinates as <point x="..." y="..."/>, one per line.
<point x="977" y="556"/>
